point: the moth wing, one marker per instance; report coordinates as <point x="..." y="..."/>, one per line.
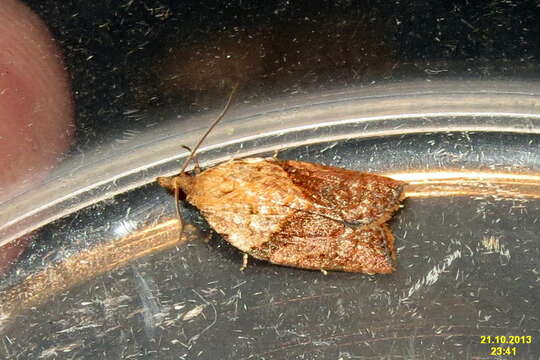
<point x="243" y="228"/>
<point x="300" y="214"/>
<point x="347" y="195"/>
<point x="310" y="241"/>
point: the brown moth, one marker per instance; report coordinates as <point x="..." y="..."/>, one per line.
<point x="296" y="213"/>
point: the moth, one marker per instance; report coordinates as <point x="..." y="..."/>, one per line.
<point x="295" y="213"/>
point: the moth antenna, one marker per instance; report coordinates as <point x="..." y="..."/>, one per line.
<point x="212" y="126"/>
<point x="197" y="165"/>
<point x="192" y="154"/>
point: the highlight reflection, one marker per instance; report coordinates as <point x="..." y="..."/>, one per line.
<point x="83" y="266"/>
<point x="428" y="184"/>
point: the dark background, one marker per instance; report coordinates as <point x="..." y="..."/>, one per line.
<point x="129" y="58"/>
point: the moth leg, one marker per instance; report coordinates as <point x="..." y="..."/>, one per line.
<point x="178" y="212"/>
<point x="276" y="153"/>
<point x="244" y="262"/>
<point x="195" y="158"/>
<point x="324" y="272"/>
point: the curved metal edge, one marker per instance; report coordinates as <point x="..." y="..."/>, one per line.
<point x="323" y="118"/>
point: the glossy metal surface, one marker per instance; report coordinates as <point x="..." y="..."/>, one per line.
<point x="438" y="96"/>
<point x="113" y="278"/>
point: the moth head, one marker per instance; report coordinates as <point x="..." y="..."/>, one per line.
<point x="180" y="183"/>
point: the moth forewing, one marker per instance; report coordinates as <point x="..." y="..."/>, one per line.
<point x="299" y="214"/>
